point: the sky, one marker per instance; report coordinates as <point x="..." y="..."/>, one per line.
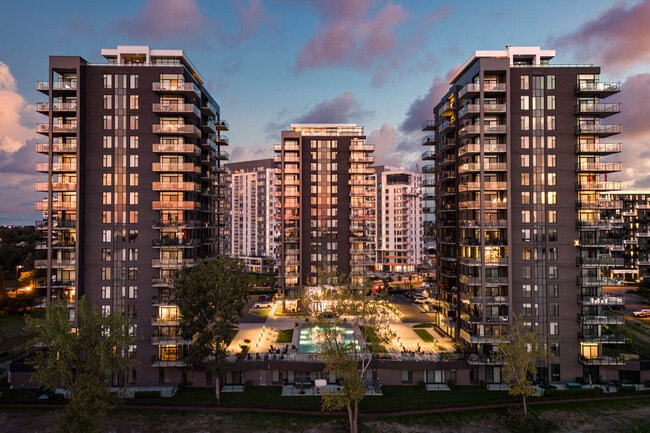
<point x="269" y="63"/>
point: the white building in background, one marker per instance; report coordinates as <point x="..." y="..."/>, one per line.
<point x="399" y="220"/>
<point x="252" y="227"/>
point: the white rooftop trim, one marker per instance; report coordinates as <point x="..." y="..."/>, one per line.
<point x="536" y="53"/>
<point x="149" y="53"/>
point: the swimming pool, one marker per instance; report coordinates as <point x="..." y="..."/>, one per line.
<point x="310" y="337"/>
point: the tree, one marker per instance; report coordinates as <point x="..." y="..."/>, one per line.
<point x="519" y="352"/>
<point x="644" y="288"/>
<point x="349" y="360"/>
<point x="211" y="298"/>
<point x="81" y="360"/>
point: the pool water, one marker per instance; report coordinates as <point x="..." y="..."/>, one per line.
<point x="310" y="337"/>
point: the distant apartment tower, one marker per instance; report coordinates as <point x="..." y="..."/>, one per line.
<point x="632" y="221"/>
<point x="519" y="181"/>
<point x="133" y="184"/>
<point x="399" y="220"/>
<point x="253" y="229"/>
<point x="326" y="204"/>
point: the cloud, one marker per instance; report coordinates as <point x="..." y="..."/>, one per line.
<point x="348" y="36"/>
<point x="251" y="153"/>
<point x="166" y="19"/>
<point x="12" y="108"/>
<point x="635" y="155"/>
<point x="17" y="153"/>
<point x="421" y="109"/>
<point x="251" y="16"/>
<point x="392" y="148"/>
<point x="341" y="109"/>
<point x="182" y="19"/>
<point x="618" y="38"/>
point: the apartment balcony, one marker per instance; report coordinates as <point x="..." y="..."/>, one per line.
<point x="599" y="167"/>
<point x="176" y="186"/>
<point x="184" y="148"/>
<point x="176" y="129"/>
<point x="222" y="155"/>
<point x="597" y="109"/>
<point x="177" y="88"/>
<point x="208" y="126"/>
<point x="599" y="204"/>
<point x="56" y="167"/>
<point x="604" y="260"/>
<point x="605" y="300"/>
<point x="361" y="169"/>
<point x="474" y="148"/>
<point x="56" y="186"/>
<point x="222" y="125"/>
<point x="175" y="167"/>
<point x="594" y="88"/>
<point x="606" y="319"/>
<point x="361" y="146"/>
<point x="600" y="130"/>
<point x="446" y="126"/>
<point x="598" y="148"/>
<point x="469" y="130"/>
<point x="57" y="86"/>
<point x="157" y="340"/>
<point x="485" y="186"/>
<point x="429" y="140"/>
<point x="176" y="205"/>
<point x="161" y="321"/>
<point x="43" y="206"/>
<point x="55" y="263"/>
<point x="57" y="128"/>
<point x="603" y="360"/>
<point x="161" y="282"/>
<point x="598" y="186"/>
<point x="603" y="339"/>
<point x="57" y="107"/>
<point x="367" y="159"/>
<point x="45" y="148"/>
<point x="501" y="223"/>
<point x="222" y="140"/>
<point x="429" y="168"/>
<point x="429" y="125"/>
<point x="469" y="90"/>
<point x="447" y="108"/>
<point x="189" y="110"/>
<point x="469" y="110"/>
<point x="172" y="263"/>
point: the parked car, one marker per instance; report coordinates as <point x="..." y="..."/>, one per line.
<point x="265" y="298"/>
<point x="262" y="305"/>
<point x="645" y="312"/>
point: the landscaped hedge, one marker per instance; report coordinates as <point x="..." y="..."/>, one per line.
<point x="584" y="392"/>
<point x="146" y="394"/>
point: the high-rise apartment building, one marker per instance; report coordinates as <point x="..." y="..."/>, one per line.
<point x="132" y="191"/>
<point x="327" y="205"/>
<point x="399" y="220"/>
<point x="519" y="179"/>
<point x="254" y="237"/>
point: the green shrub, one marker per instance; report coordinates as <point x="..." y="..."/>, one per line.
<point x="146" y="394"/>
<point x="626" y="388"/>
<point x="584" y="392"/>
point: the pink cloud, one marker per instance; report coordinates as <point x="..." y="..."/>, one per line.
<point x="618" y="38"/>
<point x="341" y="109"/>
<point x="635" y="155"/>
<point x="421" y="109"/>
<point x="167" y="19"/>
<point x="251" y="16"/>
<point x="348" y="35"/>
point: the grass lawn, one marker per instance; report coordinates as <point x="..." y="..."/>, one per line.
<point x="284" y="336"/>
<point x="424" y="335"/>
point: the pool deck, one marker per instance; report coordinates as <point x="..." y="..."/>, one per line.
<point x="263" y="337"/>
